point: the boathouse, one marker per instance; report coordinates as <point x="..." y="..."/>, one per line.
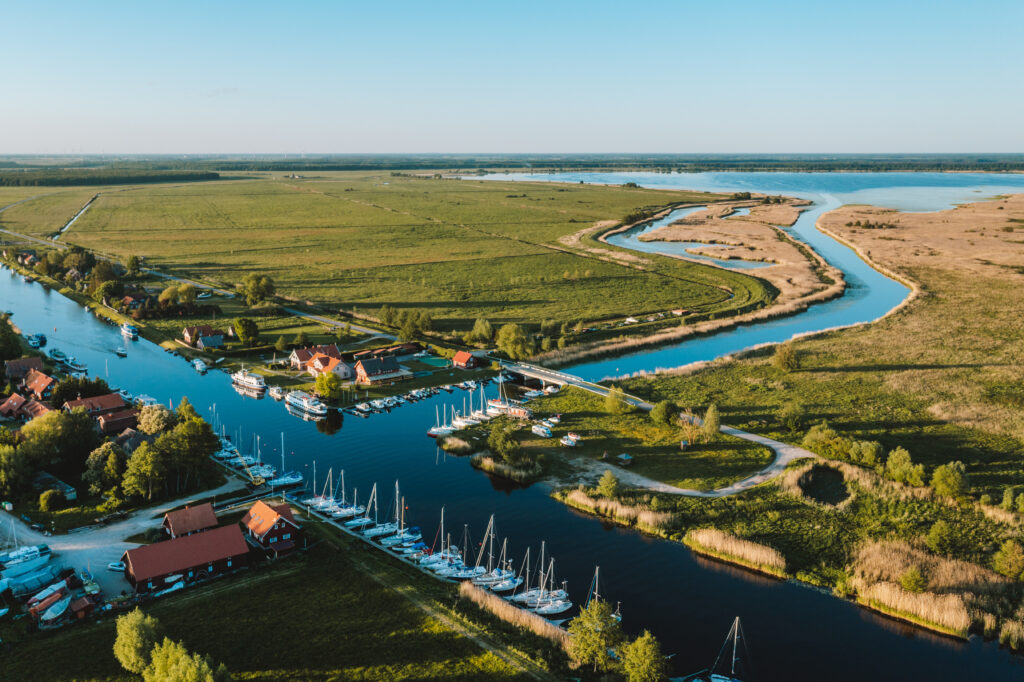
<point x="464" y="360"/>
<point x="193" y="557"/>
<point x="379" y="370"/>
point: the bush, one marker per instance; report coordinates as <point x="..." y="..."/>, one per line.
<point x="615" y="401"/>
<point x="663" y="412"/>
<point x="901" y="468"/>
<point x="786" y="358"/>
<point x="712" y="424"/>
<point x="792" y="416"/>
<point x="608" y="486"/>
<point x="1009" y="560"/>
<point x="942" y="538"/>
<point x="51" y="500"/>
<point x="950" y="480"/>
<point x="913" y="580"/>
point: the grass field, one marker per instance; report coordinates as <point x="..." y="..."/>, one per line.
<point x="458" y="248"/>
<point x="341" y="612"/>
<point x="44" y="215"/>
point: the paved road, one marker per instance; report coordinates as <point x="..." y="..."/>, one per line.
<point x="96" y="548"/>
<point x="784" y="452"/>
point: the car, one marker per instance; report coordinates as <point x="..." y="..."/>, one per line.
<point x="115" y="566"/>
<point x="204" y="294"/>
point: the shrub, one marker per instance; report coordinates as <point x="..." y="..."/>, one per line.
<point x="792" y="416"/>
<point x="663" y="412"/>
<point x="608" y="486"/>
<point x="137" y="634"/>
<point x="942" y="538"/>
<point x="786" y="358"/>
<point x="913" y="580"/>
<point x="1009" y="560"/>
<point x="901" y="468"/>
<point x="950" y="480"/>
<point x="615" y="401"/>
<point x="712" y="423"/>
<point x="51" y="500"/>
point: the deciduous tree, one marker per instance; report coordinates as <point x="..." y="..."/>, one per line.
<point x="137" y="634"/>
<point x="608" y="486"/>
<point x="594" y="633"/>
<point x="154" y="419"/>
<point x="247" y="331"/>
<point x="642" y="660"/>
<point x="329" y="385"/>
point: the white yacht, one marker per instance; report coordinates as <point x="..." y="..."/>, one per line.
<point x="306" y="403"/>
<point x="247" y="379"/>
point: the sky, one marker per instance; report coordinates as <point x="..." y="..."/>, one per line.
<point x="514" y="77"/>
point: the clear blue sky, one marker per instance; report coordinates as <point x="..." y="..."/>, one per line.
<point x="435" y="76"/>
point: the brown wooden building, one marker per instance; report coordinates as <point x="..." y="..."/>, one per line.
<point x="192" y="557"/>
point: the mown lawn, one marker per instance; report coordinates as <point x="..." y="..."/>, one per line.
<point x="342" y="612"/>
<point x="655" y="447"/>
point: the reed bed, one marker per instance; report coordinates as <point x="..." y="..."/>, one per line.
<point x="485" y="462"/>
<point x="456" y="445"/>
<point x="510" y="614"/>
<point x="1011" y="634"/>
<point x="888" y="560"/>
<point x="945" y="612"/>
<point x="720" y="544"/>
<point x="657" y="523"/>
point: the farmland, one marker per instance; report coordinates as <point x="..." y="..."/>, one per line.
<point x="459" y="249"/>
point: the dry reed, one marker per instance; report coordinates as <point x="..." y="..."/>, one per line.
<point x="485" y="462"/>
<point x="946" y="612"/>
<point x="887" y="561"/>
<point x="1011" y="634"/>
<point x="721" y="544"/>
<point x="511" y="614"/>
<point x="643" y="519"/>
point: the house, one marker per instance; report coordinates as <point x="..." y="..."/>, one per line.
<point x="98" y="405"/>
<point x="38" y="384"/>
<point x="73" y="275"/>
<point x="134" y="301"/>
<point x="17" y="369"/>
<point x="192" y="335"/>
<point x="46" y="481"/>
<point x="193" y="557"/>
<point x="377" y="370"/>
<point x="211" y="341"/>
<point x="18" y="406"/>
<point x="189" y="520"/>
<point x="300" y="357"/>
<point x="464" y="360"/>
<point x="130" y="439"/>
<point x="272" y="527"/>
<point x="322" y="364"/>
<point x="116" y="422"/>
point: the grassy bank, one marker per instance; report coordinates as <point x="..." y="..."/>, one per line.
<point x="342" y="611"/>
<point x="715" y="543"/>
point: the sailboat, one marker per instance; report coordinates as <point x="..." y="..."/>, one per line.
<point x="431" y="559"/>
<point x="404" y="536"/>
<point x="736" y="638"/>
<point x="494" y="574"/>
<point x="22" y="560"/>
<point x="550" y="602"/>
<point x="439" y="428"/>
<point x="365" y="519"/>
<point x="386" y="528"/>
<point x="513" y="583"/>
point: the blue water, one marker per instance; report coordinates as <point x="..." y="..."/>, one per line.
<point x="869" y="294"/>
<point x="630" y="239"/>
<point x="795" y="633"/>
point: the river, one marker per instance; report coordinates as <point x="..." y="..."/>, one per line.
<point x="794" y="632"/>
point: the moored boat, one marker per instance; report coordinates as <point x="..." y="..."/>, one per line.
<point x="277" y="393"/>
<point x="247" y="379"/>
<point x="130" y="330"/>
<point x="306" y="403"/>
<point x="199" y="365"/>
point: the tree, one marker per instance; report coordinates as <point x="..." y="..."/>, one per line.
<point x="593" y="634"/>
<point x="169" y="295"/>
<point x="133" y="265"/>
<point x="144" y="472"/>
<point x="137" y="634"/>
<point x="950" y="480"/>
<point x="72" y="389"/>
<point x="546" y="344"/>
<point x="102" y="272"/>
<point x="712" y="424"/>
<point x="615" y="401"/>
<point x="1009" y="560"/>
<point x="663" y="412"/>
<point x="15" y="471"/>
<point x="913" y="580"/>
<point x="786" y="357"/>
<point x="51" y="500"/>
<point x="280" y="346"/>
<point x="187" y="293"/>
<point x="1008" y="497"/>
<point x="61" y="439"/>
<point x="387" y="315"/>
<point x="502" y="443"/>
<point x="104" y="468"/>
<point x="562" y="342"/>
<point x="901" y="468"/>
<point x="608" y="486"/>
<point x="257" y="288"/>
<point x="247" y="331"/>
<point x="329" y="385"/>
<point x="301" y="339"/>
<point x="108" y="290"/>
<point x="186" y="411"/>
<point x="171" y="662"/>
<point x="512" y="341"/>
<point x="154" y="419"/>
<point x="942" y="538"/>
<point x="407" y="332"/>
<point x="425" y="322"/>
<point x="792" y="416"/>
<point x="642" y="660"/>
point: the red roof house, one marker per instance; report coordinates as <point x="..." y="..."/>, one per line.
<point x="190" y="520"/>
<point x="19" y="367"/>
<point x="116" y="422"/>
<point x="192" y="557"/>
<point x="18" y="406"/>
<point x="378" y="370"/>
<point x="322" y="364"/>
<point x="464" y="360"/>
<point x="40" y="384"/>
<point x="97" y="405"/>
<point x="273" y="527"/>
<point x="300" y="357"/>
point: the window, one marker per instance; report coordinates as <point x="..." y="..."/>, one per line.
<point x="286" y="536"/>
<point x="272" y="540"/>
<point x="229" y="563"/>
<point x="190" y="574"/>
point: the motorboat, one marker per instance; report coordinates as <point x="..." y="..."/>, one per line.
<point x="390" y="402"/>
<point x="125" y="395"/>
<point x="555" y="418"/>
<point x="121" y="352"/>
<point x="145" y="400"/>
<point x="74" y="365"/>
<point x="277" y="393"/>
<point x="533" y="394"/>
<point x="247" y="379"/>
<point x="130" y="330"/>
<point x="306" y="403"/>
<point x="199" y="365"/>
<point x="541" y="430"/>
<point x="567" y="442"/>
<point x="364" y="407"/>
<point x="57" y="354"/>
<point x="378" y="404"/>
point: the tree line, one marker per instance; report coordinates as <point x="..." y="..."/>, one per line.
<point x="63" y="177"/>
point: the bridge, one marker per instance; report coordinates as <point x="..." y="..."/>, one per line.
<point x="553" y="376"/>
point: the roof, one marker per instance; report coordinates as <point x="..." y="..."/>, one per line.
<point x="33" y="408"/>
<point x="19" y="367"/>
<point x="200" y="330"/>
<point x="118" y="420"/>
<point x="172" y="556"/>
<point x="37" y="382"/>
<point x="190" y="519"/>
<point x="463" y="356"/>
<point x="99" y="403"/>
<point x="261" y="517"/>
<point x="12" y="404"/>
<point x="374" y="366"/>
<point x="309" y="352"/>
<point x="325" y="363"/>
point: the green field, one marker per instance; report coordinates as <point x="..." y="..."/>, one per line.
<point x="654" y="447"/>
<point x="344" y="611"/>
<point x="459" y="249"/>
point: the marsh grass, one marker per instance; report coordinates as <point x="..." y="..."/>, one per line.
<point x="945" y="612"/>
<point x="511" y="614"/>
<point x="716" y="543"/>
<point x="655" y="522"/>
<point x="485" y="461"/>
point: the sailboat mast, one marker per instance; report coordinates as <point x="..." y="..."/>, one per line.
<point x="735" y="642"/>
